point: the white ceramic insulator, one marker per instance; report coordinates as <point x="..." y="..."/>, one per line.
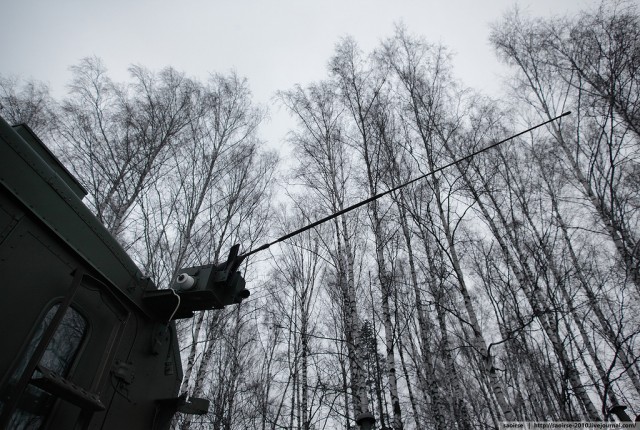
<point x="184" y="282"/>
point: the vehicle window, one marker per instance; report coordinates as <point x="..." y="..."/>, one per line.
<point x="35" y="403"/>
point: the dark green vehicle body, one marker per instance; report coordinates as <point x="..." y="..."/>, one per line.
<point x="81" y="348"/>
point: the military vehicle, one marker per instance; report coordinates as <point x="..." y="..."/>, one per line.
<point x="87" y="340"/>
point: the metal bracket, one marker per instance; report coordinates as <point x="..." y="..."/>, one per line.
<point x="55" y="384"/>
<point x="124" y="371"/>
<point x="161" y="335"/>
<point x="166" y="408"/>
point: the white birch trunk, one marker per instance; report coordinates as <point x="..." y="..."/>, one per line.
<point x="191" y="360"/>
<point x="594" y="301"/>
<point x="478" y="340"/>
<point x="423" y="325"/>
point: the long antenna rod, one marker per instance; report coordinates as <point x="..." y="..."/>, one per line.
<point x="377" y="196"/>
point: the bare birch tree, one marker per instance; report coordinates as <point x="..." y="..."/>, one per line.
<point x="324" y="169"/>
<point x="27" y="102"/>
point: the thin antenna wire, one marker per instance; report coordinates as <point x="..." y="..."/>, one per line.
<point x="377" y="196"/>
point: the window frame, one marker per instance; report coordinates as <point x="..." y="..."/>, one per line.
<point x="49" y="332"/>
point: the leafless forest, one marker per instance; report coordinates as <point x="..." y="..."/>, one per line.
<point x="504" y="288"/>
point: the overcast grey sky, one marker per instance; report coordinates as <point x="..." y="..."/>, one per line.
<point x="274" y="43"/>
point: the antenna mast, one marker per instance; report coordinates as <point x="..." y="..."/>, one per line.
<point x="377" y="196"/>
